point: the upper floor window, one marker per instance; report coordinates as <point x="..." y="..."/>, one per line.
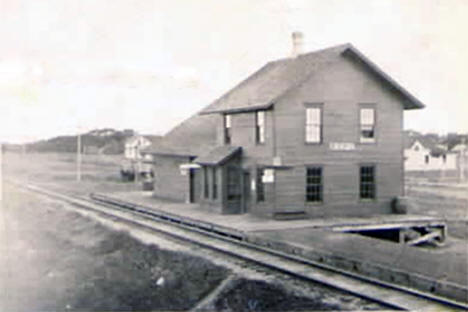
<point x="227" y="129"/>
<point x="260" y="127"/>
<point x="367" y="124"/>
<point x="313" y="126"/>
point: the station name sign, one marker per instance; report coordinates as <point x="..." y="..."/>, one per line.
<point x="342" y="146"/>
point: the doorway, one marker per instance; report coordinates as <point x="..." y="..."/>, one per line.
<point x="234" y="189"/>
<point x="192" y="185"/>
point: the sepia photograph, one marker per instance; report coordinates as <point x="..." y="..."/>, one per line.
<point x="236" y="155"/>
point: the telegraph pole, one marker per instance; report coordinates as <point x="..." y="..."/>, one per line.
<point x="78" y="157"/>
<point x="1" y="172"/>
<point x="137" y="162"/>
<point x="461" y="157"/>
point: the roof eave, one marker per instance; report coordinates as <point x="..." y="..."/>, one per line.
<point x="238" y="110"/>
<point x="177" y="154"/>
<point x="221" y="161"/>
<point x="412" y="101"/>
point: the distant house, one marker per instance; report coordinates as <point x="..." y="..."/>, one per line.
<point x="424" y="154"/>
<point x="316" y="134"/>
<point x="461" y="152"/>
<point x="135" y="144"/>
<point x="462" y="147"/>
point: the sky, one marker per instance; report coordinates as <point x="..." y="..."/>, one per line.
<point x="70" y="66"/>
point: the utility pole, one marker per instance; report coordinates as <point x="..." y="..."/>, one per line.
<point x="1" y="172"/>
<point x="461" y="160"/>
<point x="137" y="162"/>
<point x="78" y="157"/>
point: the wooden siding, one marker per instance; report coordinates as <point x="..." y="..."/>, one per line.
<point x="168" y="181"/>
<point x="342" y="87"/>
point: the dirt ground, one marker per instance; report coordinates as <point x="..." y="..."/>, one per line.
<point x="55" y="259"/>
<point x="450" y="203"/>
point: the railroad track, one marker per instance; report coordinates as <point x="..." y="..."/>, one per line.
<point x="233" y="245"/>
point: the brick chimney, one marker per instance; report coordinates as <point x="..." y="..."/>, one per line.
<point x="297" y="43"/>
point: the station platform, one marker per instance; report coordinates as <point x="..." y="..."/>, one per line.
<point x="249" y="223"/>
<point x="441" y="270"/>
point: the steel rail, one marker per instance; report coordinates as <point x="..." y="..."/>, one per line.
<point x="391" y="295"/>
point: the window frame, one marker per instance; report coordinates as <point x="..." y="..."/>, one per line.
<point x="363" y="140"/>
<point x="260" y="136"/>
<point x="206" y="190"/>
<point x="214" y="184"/>
<point x="232" y="175"/>
<point x="318" y="106"/>
<point x="314" y="184"/>
<point x="373" y="183"/>
<point x="227" y="126"/>
<point x="260" y="186"/>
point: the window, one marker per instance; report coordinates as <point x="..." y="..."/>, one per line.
<point x="205" y="178"/>
<point x="227" y="129"/>
<point x="367" y="182"/>
<point x="260" y="127"/>
<point x="260" y="186"/>
<point x="314" y="187"/>
<point x="215" y="183"/>
<point x="367" y="121"/>
<point x="426" y="159"/>
<point x="444" y="158"/>
<point x="233" y="184"/>
<point x="313" y="127"/>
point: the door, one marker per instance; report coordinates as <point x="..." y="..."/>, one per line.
<point x="233" y="190"/>
<point x="192" y="185"/>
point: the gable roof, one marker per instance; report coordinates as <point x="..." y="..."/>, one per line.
<point x="154" y="139"/>
<point x="459" y="147"/>
<point x="151" y="138"/>
<point x="261" y="89"/>
<point x="431" y="144"/>
<point x="191" y="137"/>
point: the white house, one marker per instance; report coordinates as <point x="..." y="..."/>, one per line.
<point x="425" y="155"/>
<point x="460" y="148"/>
<point x="461" y="152"/>
<point x="135" y="144"/>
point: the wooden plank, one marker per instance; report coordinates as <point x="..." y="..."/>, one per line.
<point x="383" y="226"/>
<point x="426" y="238"/>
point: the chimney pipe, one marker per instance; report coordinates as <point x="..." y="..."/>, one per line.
<point x="297" y="43"/>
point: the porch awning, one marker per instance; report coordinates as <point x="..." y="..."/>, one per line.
<point x="189" y="166"/>
<point x="218" y="155"/>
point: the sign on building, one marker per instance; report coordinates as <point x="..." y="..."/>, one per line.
<point x="268" y="176"/>
<point x="342" y="146"/>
